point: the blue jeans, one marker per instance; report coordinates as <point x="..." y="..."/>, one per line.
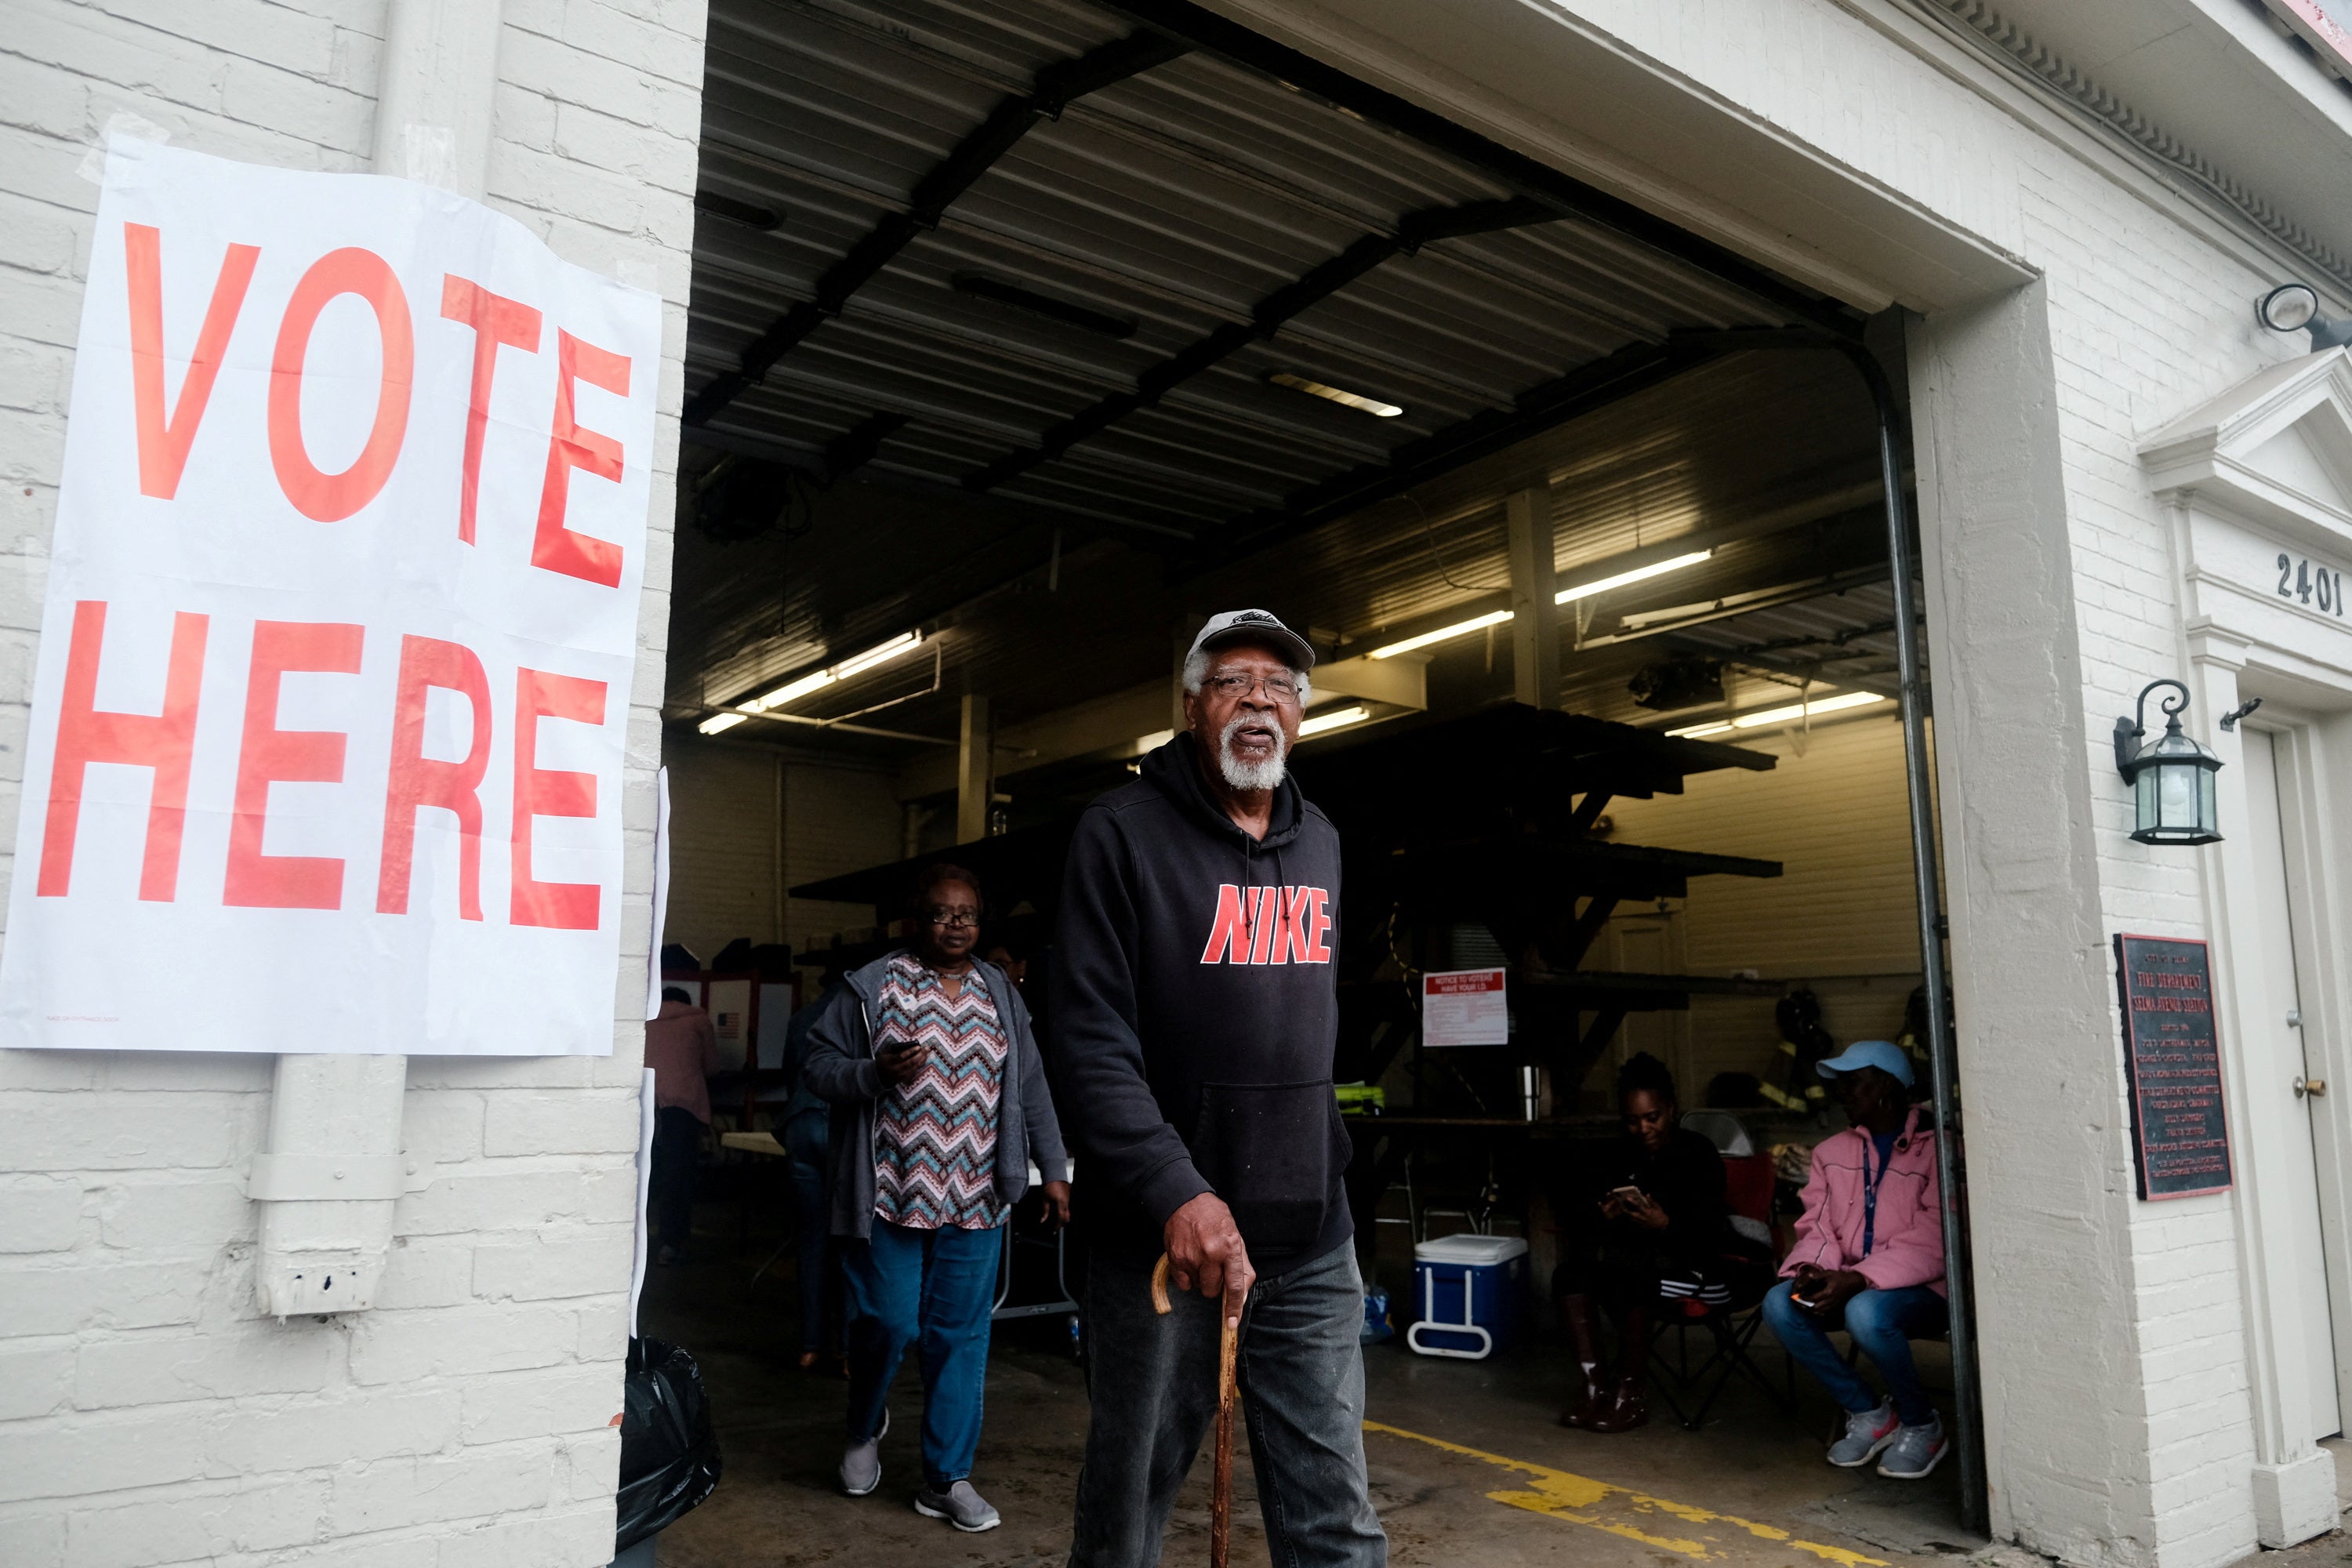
<point x="1883" y="1323"/>
<point x="1153" y="1381"/>
<point x="933" y="1285"/>
<point x="807" y="1137"/>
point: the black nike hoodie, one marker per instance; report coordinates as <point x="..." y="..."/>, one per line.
<point x="1195" y="1013"/>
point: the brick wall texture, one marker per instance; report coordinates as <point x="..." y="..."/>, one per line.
<point x="148" y="1416"/>
<point x="2118" y="1407"/>
<point x="747" y="823"/>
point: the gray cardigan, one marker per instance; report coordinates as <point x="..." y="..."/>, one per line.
<point x="840" y="1069"/>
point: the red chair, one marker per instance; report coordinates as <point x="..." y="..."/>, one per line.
<point x="1732" y="1324"/>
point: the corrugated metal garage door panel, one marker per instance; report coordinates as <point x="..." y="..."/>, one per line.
<point x="1836" y="818"/>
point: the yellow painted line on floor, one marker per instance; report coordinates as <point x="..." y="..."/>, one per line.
<point x="1599" y="1505"/>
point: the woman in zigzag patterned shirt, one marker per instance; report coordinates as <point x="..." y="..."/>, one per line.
<point x="935" y="1137"/>
<point x="938" y="1106"/>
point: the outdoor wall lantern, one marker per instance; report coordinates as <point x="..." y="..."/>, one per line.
<point x="2172" y="781"/>
<point x="2295" y="308"/>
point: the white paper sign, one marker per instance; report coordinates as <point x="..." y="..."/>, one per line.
<point x="327" y="728"/>
<point x="1465" y="1007"/>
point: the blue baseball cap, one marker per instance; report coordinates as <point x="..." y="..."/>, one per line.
<point x="1883" y="1055"/>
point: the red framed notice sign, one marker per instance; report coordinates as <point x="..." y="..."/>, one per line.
<point x="1465" y="1007"/>
<point x="2181" y="1131"/>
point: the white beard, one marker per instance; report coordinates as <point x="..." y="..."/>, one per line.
<point x="1241" y="776"/>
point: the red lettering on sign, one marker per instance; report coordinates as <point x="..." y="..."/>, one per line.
<point x="270" y="754"/>
<point x="166" y="434"/>
<point x="556" y="547"/>
<point x="498" y="322"/>
<point x="163" y="741"/>
<point x="538" y="792"/>
<point x="1229" y="933"/>
<point x="323" y="497"/>
<point x="418" y="781"/>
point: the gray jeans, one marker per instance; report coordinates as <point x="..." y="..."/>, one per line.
<point x="1153" y="1381"/>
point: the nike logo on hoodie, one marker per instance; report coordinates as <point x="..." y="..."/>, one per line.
<point x="1270" y="925"/>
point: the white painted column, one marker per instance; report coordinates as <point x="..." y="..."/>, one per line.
<point x="1535" y="619"/>
<point x="334" y="1167"/>
<point x="2040" y="1059"/>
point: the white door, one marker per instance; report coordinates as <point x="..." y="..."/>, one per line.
<point x="1647" y="944"/>
<point x="2274" y="1061"/>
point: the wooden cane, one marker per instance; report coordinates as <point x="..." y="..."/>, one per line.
<point x="1220" y="1488"/>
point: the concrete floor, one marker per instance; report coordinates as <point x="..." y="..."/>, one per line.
<point x="1468" y="1463"/>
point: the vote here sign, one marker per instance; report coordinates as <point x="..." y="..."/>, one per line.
<point x="326" y="740"/>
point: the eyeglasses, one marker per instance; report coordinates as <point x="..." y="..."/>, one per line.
<point x="954" y="920"/>
<point x="1280" y="689"/>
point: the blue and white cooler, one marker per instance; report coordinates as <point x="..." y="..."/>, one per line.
<point x="1470" y="1293"/>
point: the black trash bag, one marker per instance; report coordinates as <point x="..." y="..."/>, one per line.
<point x="669" y="1450"/>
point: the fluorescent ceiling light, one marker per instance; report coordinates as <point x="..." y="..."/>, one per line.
<point x="1459" y="629"/>
<point x="1373" y="406"/>
<point x="1790" y="714"/>
<point x="1336" y="719"/>
<point x="718" y="721"/>
<point x="905" y="642"/>
<point x="1638" y="573"/>
<point x="792" y="691"/>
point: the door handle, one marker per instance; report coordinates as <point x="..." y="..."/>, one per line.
<point x="2295" y="1017"/>
<point x="2314" y="1086"/>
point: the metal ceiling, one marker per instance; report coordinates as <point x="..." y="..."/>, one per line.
<point x="1047" y="499"/>
<point x="1244" y="226"/>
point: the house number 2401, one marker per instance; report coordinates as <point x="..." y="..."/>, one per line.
<point x="2300" y="581"/>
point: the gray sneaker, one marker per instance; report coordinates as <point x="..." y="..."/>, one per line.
<point x="1867" y="1435"/>
<point x="1917" y="1450"/>
<point x="958" y="1505"/>
<point x="861" y="1463"/>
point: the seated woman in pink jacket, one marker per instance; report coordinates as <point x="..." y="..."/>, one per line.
<point x="1869" y="1257"/>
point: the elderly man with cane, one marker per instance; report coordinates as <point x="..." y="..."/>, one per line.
<point x="1196" y="1015"/>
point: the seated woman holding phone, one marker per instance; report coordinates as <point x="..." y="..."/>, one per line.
<point x="1648" y="1223"/>
<point x="1869" y="1258"/>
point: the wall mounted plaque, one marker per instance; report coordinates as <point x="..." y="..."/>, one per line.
<point x="2180" y="1136"/>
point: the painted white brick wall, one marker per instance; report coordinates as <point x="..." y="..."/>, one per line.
<point x="147" y="1416"/>
<point x="2130" y="1440"/>
<point x="724" y="817"/>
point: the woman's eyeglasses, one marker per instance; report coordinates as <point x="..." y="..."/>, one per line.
<point x="954" y="920"/>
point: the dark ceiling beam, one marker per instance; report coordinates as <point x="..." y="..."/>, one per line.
<point x="1156" y="535"/>
<point x="1011" y="119"/>
<point x="1414" y="230"/>
<point x="1570" y="197"/>
<point x="1632" y="369"/>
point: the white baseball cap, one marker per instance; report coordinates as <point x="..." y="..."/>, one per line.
<point x="1258" y="625"/>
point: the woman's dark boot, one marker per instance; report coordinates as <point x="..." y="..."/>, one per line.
<point x="1629" y="1406"/>
<point x="1589" y="1395"/>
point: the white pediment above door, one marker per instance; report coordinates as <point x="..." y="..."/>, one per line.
<point x="2276" y="448"/>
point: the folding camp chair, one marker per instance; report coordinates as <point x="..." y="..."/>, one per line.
<point x="1732" y="1325"/>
